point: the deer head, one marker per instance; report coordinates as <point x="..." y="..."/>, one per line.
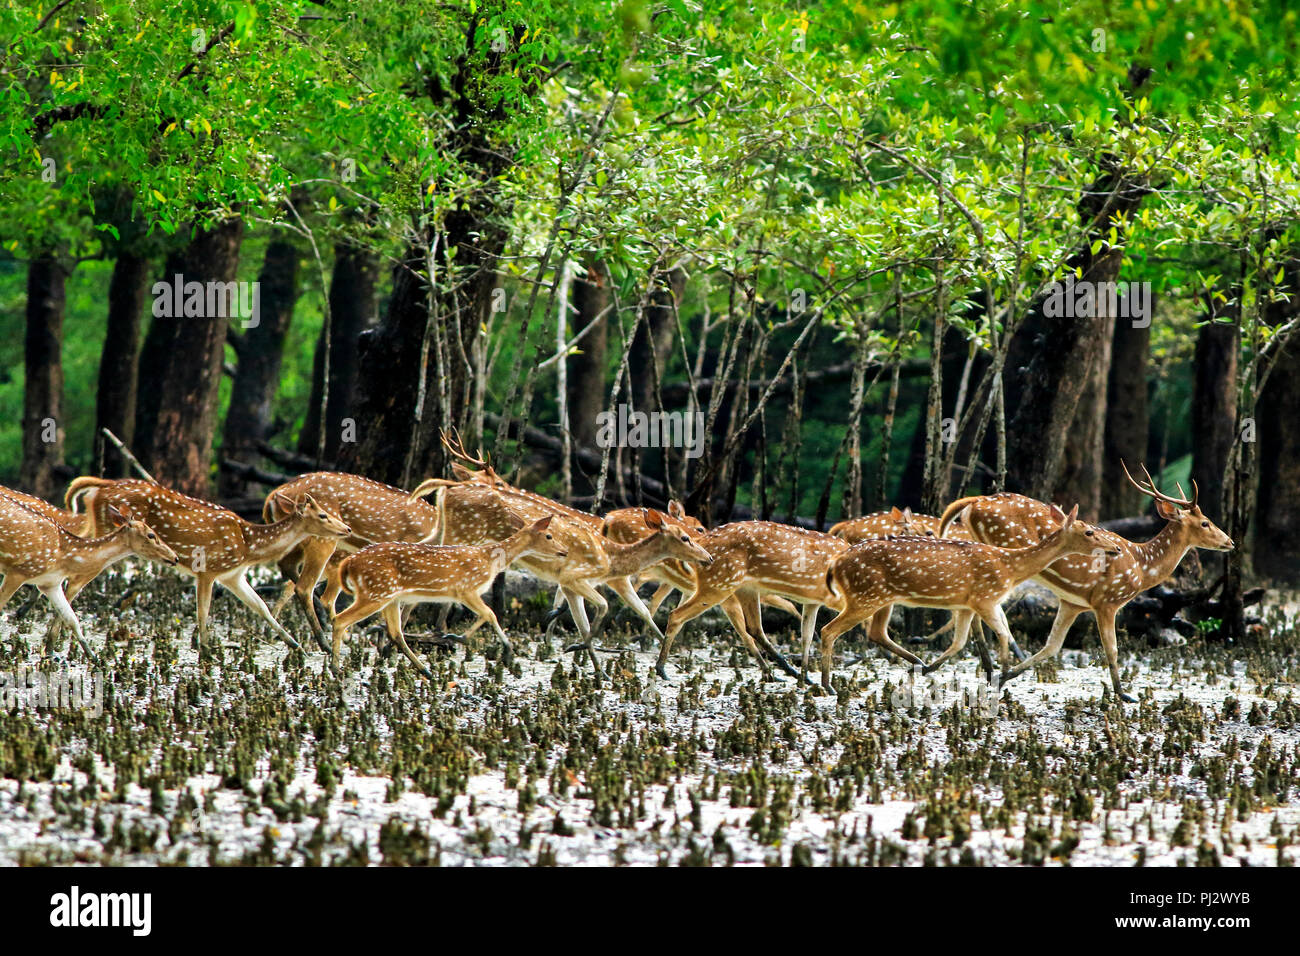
<point x="538" y="539"/>
<point x="141" y="538"/>
<point x="1079" y="536"/>
<point x="677" y="541"/>
<point x="315" y="519"/>
<point x="1201" y="532"/>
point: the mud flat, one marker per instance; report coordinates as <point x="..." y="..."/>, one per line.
<point x="256" y="756"/>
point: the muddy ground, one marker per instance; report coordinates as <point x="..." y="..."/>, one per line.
<point x="252" y="755"/>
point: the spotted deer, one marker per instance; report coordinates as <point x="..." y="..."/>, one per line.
<point x="758" y="558"/>
<point x="382" y="577"/>
<point x="965" y="576"/>
<point x="893" y="521"/>
<point x="374" y="511"/>
<point x="75" y="523"/>
<point x="1088" y="583"/>
<point x="215" y="545"/>
<point x="37" y="551"/>
<point x="474" y="513"/>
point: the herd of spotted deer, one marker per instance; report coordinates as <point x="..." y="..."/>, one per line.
<point x="390" y="549"/>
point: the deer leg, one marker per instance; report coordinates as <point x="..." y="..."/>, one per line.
<point x="995" y="618"/>
<point x="203" y="602"/>
<point x="807" y="624"/>
<point x="627" y="593"/>
<point x="290" y="569"/>
<point x="598" y="622"/>
<point x="1065" y="615"/>
<point x="752" y="606"/>
<point x="556" y="611"/>
<point x="476" y="604"/>
<point x="316" y="555"/>
<point x="358" y="611"/>
<point x="10" y="587"/>
<point x="238" y="585"/>
<point x="393" y="619"/>
<point x="660" y="595"/>
<point x="846" y="620"/>
<point x="879" y="634"/>
<point x="691" y="608"/>
<point x="1109" y="644"/>
<point x="736" y="614"/>
<point x="576" y="594"/>
<point x="961" y="621"/>
<point x="54" y="592"/>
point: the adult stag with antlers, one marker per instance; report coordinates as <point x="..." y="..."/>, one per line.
<point x="1093" y="583"/>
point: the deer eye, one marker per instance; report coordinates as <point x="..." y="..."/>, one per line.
<point x="1205" y="524"/>
<point x="1088" y="532"/>
<point x="153" y="537"/>
<point x="548" y="537"/>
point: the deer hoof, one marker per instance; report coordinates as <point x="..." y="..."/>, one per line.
<point x="552" y="616"/>
<point x="575" y="648"/>
<point x="1127" y="698"/>
<point x="661" y="671"/>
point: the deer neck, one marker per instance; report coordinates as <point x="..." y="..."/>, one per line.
<point x="266" y="542"/>
<point x="1158" y="557"/>
<point x="507" y="552"/>
<point x="625" y="559"/>
<point x="1026" y="562"/>
<point x="97" y="553"/>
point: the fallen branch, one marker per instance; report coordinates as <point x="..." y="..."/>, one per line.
<point x="126" y="453"/>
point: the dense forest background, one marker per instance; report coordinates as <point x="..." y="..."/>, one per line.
<point x="826" y="227"/>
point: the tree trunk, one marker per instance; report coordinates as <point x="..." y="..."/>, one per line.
<point x="1082" y="469"/>
<point x="153" y="357"/>
<point x="1214" y="413"/>
<point x="43" y="387"/>
<point x="587" y="387"/>
<point x="119" y="363"/>
<point x="1276" y="546"/>
<point x="260" y="352"/>
<point x="1048" y="389"/>
<point x="396" y="431"/>
<point x="352" y="311"/>
<point x="652" y="347"/>
<point x="178" y="451"/>
<point x="1128" y="419"/>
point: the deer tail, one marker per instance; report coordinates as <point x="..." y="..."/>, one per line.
<point x="951" y="512"/>
<point x="79" y="487"/>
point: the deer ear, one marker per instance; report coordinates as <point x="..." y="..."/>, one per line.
<point x="1166" y="510"/>
<point x="541" y="524"/>
<point x="895" y="514"/>
<point x="116" y="516"/>
<point x="1074" y="513"/>
<point x="284" y="501"/>
<point x="654" y="519"/>
<point x="1057" y="514"/>
<point x="676" y="510"/>
<point x="907" y="513"/>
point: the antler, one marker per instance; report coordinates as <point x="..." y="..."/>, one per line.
<point x="1151" y="491"/>
<point x="457" y="448"/>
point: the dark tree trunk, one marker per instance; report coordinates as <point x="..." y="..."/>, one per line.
<point x="178" y="450"/>
<point x="352" y="311"/>
<point x="1082" y="469"/>
<point x="43" y="388"/>
<point x="388" y="360"/>
<point x="1128" y="418"/>
<point x="654" y="340"/>
<point x="119" y="363"/>
<point x="1062" y="350"/>
<point x="399" y="440"/>
<point x="1214" y="412"/>
<point x="587" y="390"/>
<point x="1276" y="549"/>
<point x="153" y="362"/>
<point x="260" y="352"/>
